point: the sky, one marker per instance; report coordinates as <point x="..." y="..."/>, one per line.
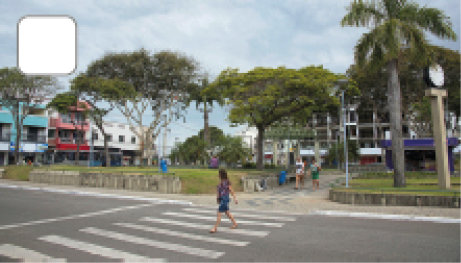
<point x="240" y="34"/>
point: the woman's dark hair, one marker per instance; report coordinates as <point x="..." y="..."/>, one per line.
<point x="222" y="174"/>
<point x="313" y="159"/>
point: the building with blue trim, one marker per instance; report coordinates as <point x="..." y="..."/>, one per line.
<point x="33" y="140"/>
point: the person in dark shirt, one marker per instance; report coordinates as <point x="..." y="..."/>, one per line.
<point x="223" y="190"/>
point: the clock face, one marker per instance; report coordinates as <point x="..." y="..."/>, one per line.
<point x="436" y="75"/>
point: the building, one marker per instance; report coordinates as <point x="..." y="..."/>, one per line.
<point x="364" y="130"/>
<point x="122" y="141"/>
<point x="33" y="135"/>
<point x="63" y="132"/>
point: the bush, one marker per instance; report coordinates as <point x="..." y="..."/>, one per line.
<point x="249" y="166"/>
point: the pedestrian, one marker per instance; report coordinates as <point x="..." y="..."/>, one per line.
<point x="299" y="173"/>
<point x="223" y="190"/>
<point x="315" y="169"/>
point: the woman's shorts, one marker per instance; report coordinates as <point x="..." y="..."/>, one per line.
<point x="224" y="204"/>
<point x="315" y="175"/>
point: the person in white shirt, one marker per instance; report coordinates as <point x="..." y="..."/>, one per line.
<point x="299" y="173"/>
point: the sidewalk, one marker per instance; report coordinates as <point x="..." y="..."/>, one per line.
<point x="284" y="198"/>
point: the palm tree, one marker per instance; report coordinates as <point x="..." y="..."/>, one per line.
<point x="397" y="25"/>
<point x="196" y="95"/>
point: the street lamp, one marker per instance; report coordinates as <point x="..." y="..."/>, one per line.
<point x="176" y="145"/>
<point x="341" y="84"/>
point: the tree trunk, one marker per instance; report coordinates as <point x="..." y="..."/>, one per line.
<point x="18" y="138"/>
<point x="77" y="156"/>
<point x="106" y="151"/>
<point x="259" y="164"/>
<point x="398" y="157"/>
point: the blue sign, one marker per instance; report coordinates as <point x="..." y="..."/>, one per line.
<point x="451" y="142"/>
<point x="42" y="147"/>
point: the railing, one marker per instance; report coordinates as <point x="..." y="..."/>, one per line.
<point x="71" y="141"/>
<point x="33" y="138"/>
<point x="5" y="137"/>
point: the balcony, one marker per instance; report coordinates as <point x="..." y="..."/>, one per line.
<point x="5" y="137"/>
<point x="66" y="123"/>
<point x="33" y="138"/>
<point x="55" y="141"/>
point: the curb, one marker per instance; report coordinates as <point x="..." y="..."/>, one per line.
<point x="386" y="216"/>
<point x="154" y="200"/>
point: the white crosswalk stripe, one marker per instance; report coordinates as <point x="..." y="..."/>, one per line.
<point x="188" y="215"/>
<point x="26" y="255"/>
<point x="259" y="216"/>
<point x="153" y="243"/>
<point x="206" y="227"/>
<point x="183" y="235"/>
<point x="97" y="250"/>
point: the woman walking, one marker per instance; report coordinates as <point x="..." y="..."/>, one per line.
<point x="224" y="188"/>
<point x="299" y="173"/>
<point x="315" y="169"/>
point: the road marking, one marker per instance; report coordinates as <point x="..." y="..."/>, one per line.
<point x="60" y="191"/>
<point x="252" y="210"/>
<point x="153" y="243"/>
<point x="44" y="221"/>
<point x="26" y="255"/>
<point x="184" y="235"/>
<point x="97" y="250"/>
<point x="223" y="219"/>
<point x="386" y="216"/>
<point x="242" y="214"/>
<point x="206" y="227"/>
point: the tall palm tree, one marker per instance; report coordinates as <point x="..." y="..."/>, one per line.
<point x="396" y="26"/>
<point x="196" y="95"/>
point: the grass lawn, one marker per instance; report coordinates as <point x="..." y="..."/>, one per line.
<point x="420" y="186"/>
<point x="194" y="181"/>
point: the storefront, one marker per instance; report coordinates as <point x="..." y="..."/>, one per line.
<point x="420" y="154"/>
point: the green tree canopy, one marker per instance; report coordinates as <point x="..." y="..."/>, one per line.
<point x="265" y="96"/>
<point x="397" y="30"/>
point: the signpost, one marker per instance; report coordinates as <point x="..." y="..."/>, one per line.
<point x="434" y="78"/>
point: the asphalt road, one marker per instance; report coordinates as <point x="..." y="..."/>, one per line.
<point x="43" y="226"/>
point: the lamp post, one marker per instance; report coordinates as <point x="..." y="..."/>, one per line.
<point x="340" y="82"/>
<point x="176" y="145"/>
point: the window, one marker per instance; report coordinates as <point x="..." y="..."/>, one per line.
<point x="51" y="133"/>
<point x="352" y="116"/>
<point x="133" y="139"/>
<point x="109" y="137"/>
<point x="121" y="138"/>
<point x="95" y="136"/>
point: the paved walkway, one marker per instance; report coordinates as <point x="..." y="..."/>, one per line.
<point x="284" y="198"/>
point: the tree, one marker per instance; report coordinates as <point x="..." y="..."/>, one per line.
<point x="397" y="25"/>
<point x="264" y="96"/>
<point x="161" y="83"/>
<point x="232" y="150"/>
<point x="68" y="103"/>
<point x="196" y="95"/>
<point x="93" y="91"/>
<point x="353" y="151"/>
<point x="20" y="94"/>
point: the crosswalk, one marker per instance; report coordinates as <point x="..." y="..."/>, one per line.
<point x="160" y="233"/>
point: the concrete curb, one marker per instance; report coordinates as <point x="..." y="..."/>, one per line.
<point x="386" y="216"/>
<point x="358" y="198"/>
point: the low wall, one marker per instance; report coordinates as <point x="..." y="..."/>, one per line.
<point x="355" y="198"/>
<point x="366" y="168"/>
<point x="152" y="183"/>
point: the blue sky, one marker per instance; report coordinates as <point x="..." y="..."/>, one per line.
<point x="219" y="34"/>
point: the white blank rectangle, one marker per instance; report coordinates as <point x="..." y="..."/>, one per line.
<point x="47" y="45"/>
